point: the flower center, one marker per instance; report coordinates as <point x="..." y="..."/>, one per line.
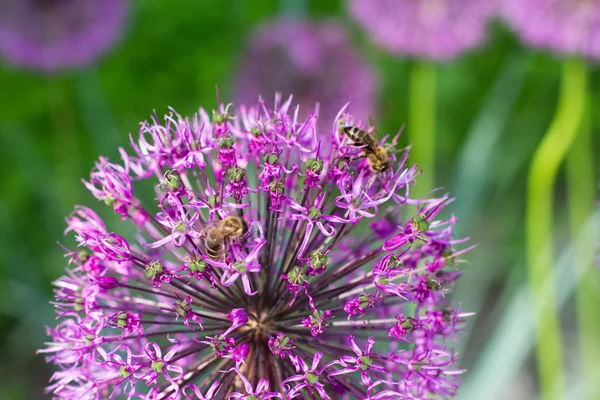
<point x="311" y="378"/>
<point x="262" y="329"/>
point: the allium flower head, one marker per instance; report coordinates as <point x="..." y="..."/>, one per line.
<point x="314" y="61"/>
<point x="314" y="296"/>
<point x="433" y="29"/>
<point x="49" y="35"/>
<point x="563" y="26"/>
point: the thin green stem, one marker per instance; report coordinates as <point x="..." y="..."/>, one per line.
<point x="540" y="258"/>
<point x="421" y="128"/>
<point x="64" y="130"/>
<point x="581" y="185"/>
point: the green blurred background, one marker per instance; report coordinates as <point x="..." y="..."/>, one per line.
<point x="494" y="106"/>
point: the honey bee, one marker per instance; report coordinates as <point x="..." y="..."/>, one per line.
<point x="376" y="155"/>
<point x="231" y="228"/>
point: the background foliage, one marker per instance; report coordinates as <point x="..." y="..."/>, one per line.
<point x="494" y="105"/>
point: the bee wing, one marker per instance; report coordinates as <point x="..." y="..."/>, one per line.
<point x="371" y="139"/>
<point x="209" y="226"/>
<point x="373" y="129"/>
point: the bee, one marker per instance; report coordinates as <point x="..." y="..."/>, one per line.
<point x="376" y="155"/>
<point x="229" y="229"/>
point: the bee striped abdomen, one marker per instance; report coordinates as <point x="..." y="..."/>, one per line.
<point x="229" y="229"/>
<point x="375" y="154"/>
<point x="214" y="246"/>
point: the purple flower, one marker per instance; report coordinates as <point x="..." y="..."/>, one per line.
<point x="361" y="304"/>
<point x="198" y="395"/>
<point x="314" y="61"/>
<point x="183" y="309"/>
<point x="432" y="29"/>
<point x="161" y="367"/>
<point x="49" y="35"/>
<point x="363" y="361"/>
<point x="288" y="299"/>
<point x="261" y="392"/>
<point x="239" y="354"/>
<point x="308" y="378"/>
<point x="563" y="26"/>
<point x="281" y="345"/>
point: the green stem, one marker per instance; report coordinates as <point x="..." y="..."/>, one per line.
<point x="66" y="145"/>
<point x="421" y="128"/>
<point x="581" y="185"/>
<point x="544" y="168"/>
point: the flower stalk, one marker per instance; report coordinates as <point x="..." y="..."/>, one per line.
<point x="422" y="121"/>
<point x="581" y="185"/>
<point x="540" y="259"/>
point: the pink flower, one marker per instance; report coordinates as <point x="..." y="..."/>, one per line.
<point x="434" y="29"/>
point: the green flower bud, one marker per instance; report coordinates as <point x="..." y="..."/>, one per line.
<point x="421" y="224"/>
<point x="315" y="165"/>
<point x="213" y="201"/>
<point x="432" y="284"/>
<point x="154" y="269"/>
<point x="82" y="255"/>
<point x="197" y="265"/>
<point x="124" y="371"/>
<point x="312" y="378"/>
<point x="314" y="213"/>
<point x="296" y="276"/>
<point x="256" y="131"/>
<point x="110" y="201"/>
<point x="364" y="362"/>
<point x="171" y="180"/>
<point x="276" y="187"/>
<point x="271" y="158"/>
<point x="240" y="267"/>
<point x="219" y="117"/>
<point x="158" y="366"/>
<point x="226" y="142"/>
<point x="317" y="259"/>
<point x="236" y="174"/>
<point x="447" y="253"/>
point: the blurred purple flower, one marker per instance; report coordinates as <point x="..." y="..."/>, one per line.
<point x="433" y="29"/>
<point x="49" y="35"/>
<point x="563" y="26"/>
<point x="165" y="321"/>
<point x="314" y="61"/>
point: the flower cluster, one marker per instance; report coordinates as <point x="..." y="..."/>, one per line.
<point x="432" y="29"/>
<point x="321" y="278"/>
<point x="313" y="60"/>
<point x="563" y="26"/>
<point x="49" y="35"/>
